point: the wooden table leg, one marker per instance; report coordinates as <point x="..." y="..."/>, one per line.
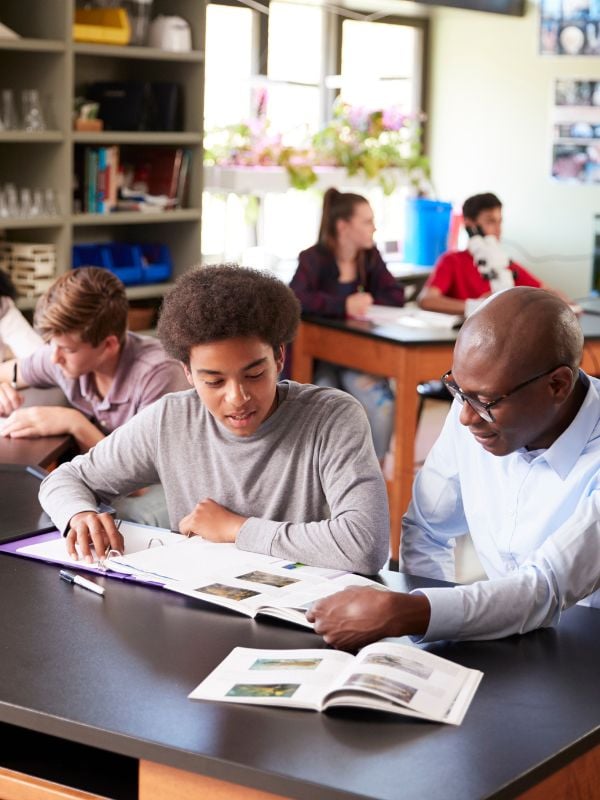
<point x="302" y="360"/>
<point x="404" y="450"/>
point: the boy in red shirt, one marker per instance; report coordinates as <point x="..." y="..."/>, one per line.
<point x="458" y="278"/>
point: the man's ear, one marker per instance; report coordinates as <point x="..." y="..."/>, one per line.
<point x="187" y="372"/>
<point x="562" y="383"/>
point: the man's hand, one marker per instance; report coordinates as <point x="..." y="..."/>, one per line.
<point x="212" y="521"/>
<point x="88" y="529"/>
<point x="358" y="303"/>
<point x="10" y="399"/>
<point x="359" y="615"/>
<point x="36" y="421"/>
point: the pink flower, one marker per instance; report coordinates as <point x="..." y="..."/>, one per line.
<point x="393" y="119"/>
<point x="358" y="117"/>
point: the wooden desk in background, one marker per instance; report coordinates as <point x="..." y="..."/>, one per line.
<point x="409" y="356"/>
<point x="41" y="452"/>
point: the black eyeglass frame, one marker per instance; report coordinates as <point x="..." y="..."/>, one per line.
<point x="483" y="409"/>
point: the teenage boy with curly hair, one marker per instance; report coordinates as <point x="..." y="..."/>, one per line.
<point x="278" y="468"/>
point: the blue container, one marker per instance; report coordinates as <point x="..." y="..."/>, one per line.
<point x="427" y="226"/>
<point x="126" y="262"/>
<point x="156" y="263"/>
<point x="91" y="255"/>
<point x="123" y="260"/>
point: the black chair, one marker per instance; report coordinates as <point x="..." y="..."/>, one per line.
<point x="431" y="390"/>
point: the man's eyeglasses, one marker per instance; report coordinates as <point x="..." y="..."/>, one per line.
<point x="483" y="409"/>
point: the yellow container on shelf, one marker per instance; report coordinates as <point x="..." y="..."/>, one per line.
<point x="101" y="26"/>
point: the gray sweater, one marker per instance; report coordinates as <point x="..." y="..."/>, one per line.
<point x="308" y="479"/>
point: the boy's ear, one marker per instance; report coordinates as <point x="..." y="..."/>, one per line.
<point x="112" y="342"/>
<point x="188" y="374"/>
<point x="280" y="357"/>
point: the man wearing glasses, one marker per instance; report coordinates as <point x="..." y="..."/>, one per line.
<point x="518" y="466"/>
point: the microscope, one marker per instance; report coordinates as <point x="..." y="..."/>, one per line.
<point x="491" y="260"/>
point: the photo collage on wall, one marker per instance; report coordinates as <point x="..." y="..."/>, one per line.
<point x="570" y="27"/>
<point x="576" y="131"/>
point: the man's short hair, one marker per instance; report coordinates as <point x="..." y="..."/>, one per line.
<point x="473" y="206"/>
<point x="90" y="301"/>
<point x="210" y="304"/>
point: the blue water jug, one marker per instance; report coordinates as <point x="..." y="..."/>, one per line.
<point x="427" y="226"/>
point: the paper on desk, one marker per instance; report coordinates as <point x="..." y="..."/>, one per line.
<point x="411" y="316"/>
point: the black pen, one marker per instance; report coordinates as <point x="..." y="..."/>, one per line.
<point x="83" y="582"/>
<point x="13" y="383"/>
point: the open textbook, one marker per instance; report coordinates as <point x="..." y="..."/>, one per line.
<point x="385" y="676"/>
<point x="412" y="316"/>
<point x="221" y="574"/>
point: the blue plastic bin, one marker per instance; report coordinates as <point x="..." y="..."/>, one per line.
<point x="126" y="262"/>
<point x="123" y="260"/>
<point x="91" y="255"/>
<point x="427" y="226"/>
<point x="156" y="263"/>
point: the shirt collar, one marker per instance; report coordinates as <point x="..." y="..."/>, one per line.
<point x="563" y="454"/>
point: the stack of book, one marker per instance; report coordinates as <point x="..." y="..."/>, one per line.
<point x="109" y="179"/>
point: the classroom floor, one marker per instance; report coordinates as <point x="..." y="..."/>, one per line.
<point x="468" y="567"/>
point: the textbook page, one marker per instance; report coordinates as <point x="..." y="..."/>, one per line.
<point x="405" y="678"/>
<point x="291" y="678"/>
<point x="196" y="558"/>
<point x="275" y="588"/>
<point x="386" y="676"/>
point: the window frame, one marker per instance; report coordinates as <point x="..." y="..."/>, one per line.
<point x="331" y="46"/>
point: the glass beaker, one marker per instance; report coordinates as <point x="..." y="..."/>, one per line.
<point x="138" y="12"/>
<point x="31" y="107"/>
<point x="25" y="204"/>
<point x="12" y="199"/>
<point x="51" y="207"/>
<point x="10" y="118"/>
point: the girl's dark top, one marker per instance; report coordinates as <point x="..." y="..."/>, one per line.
<point x="316" y="282"/>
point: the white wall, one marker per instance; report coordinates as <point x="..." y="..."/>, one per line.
<point x="490" y="130"/>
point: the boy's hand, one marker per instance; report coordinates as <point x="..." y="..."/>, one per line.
<point x="89" y="529"/>
<point x="212" y="521"/>
<point x="10" y="399"/>
<point x="36" y="421"/>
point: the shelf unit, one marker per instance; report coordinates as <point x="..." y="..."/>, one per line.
<point x="47" y="58"/>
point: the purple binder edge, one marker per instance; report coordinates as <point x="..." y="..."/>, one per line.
<point x="13" y="547"/>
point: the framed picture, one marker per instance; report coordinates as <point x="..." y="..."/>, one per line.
<point x="576" y="131"/>
<point x="570" y="27"/>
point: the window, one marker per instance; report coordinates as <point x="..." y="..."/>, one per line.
<point x="298" y="59"/>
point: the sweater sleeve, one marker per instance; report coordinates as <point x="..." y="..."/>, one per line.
<point x="306" y="285"/>
<point x="355" y="537"/>
<point x="117" y="465"/>
<point x="383" y="286"/>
